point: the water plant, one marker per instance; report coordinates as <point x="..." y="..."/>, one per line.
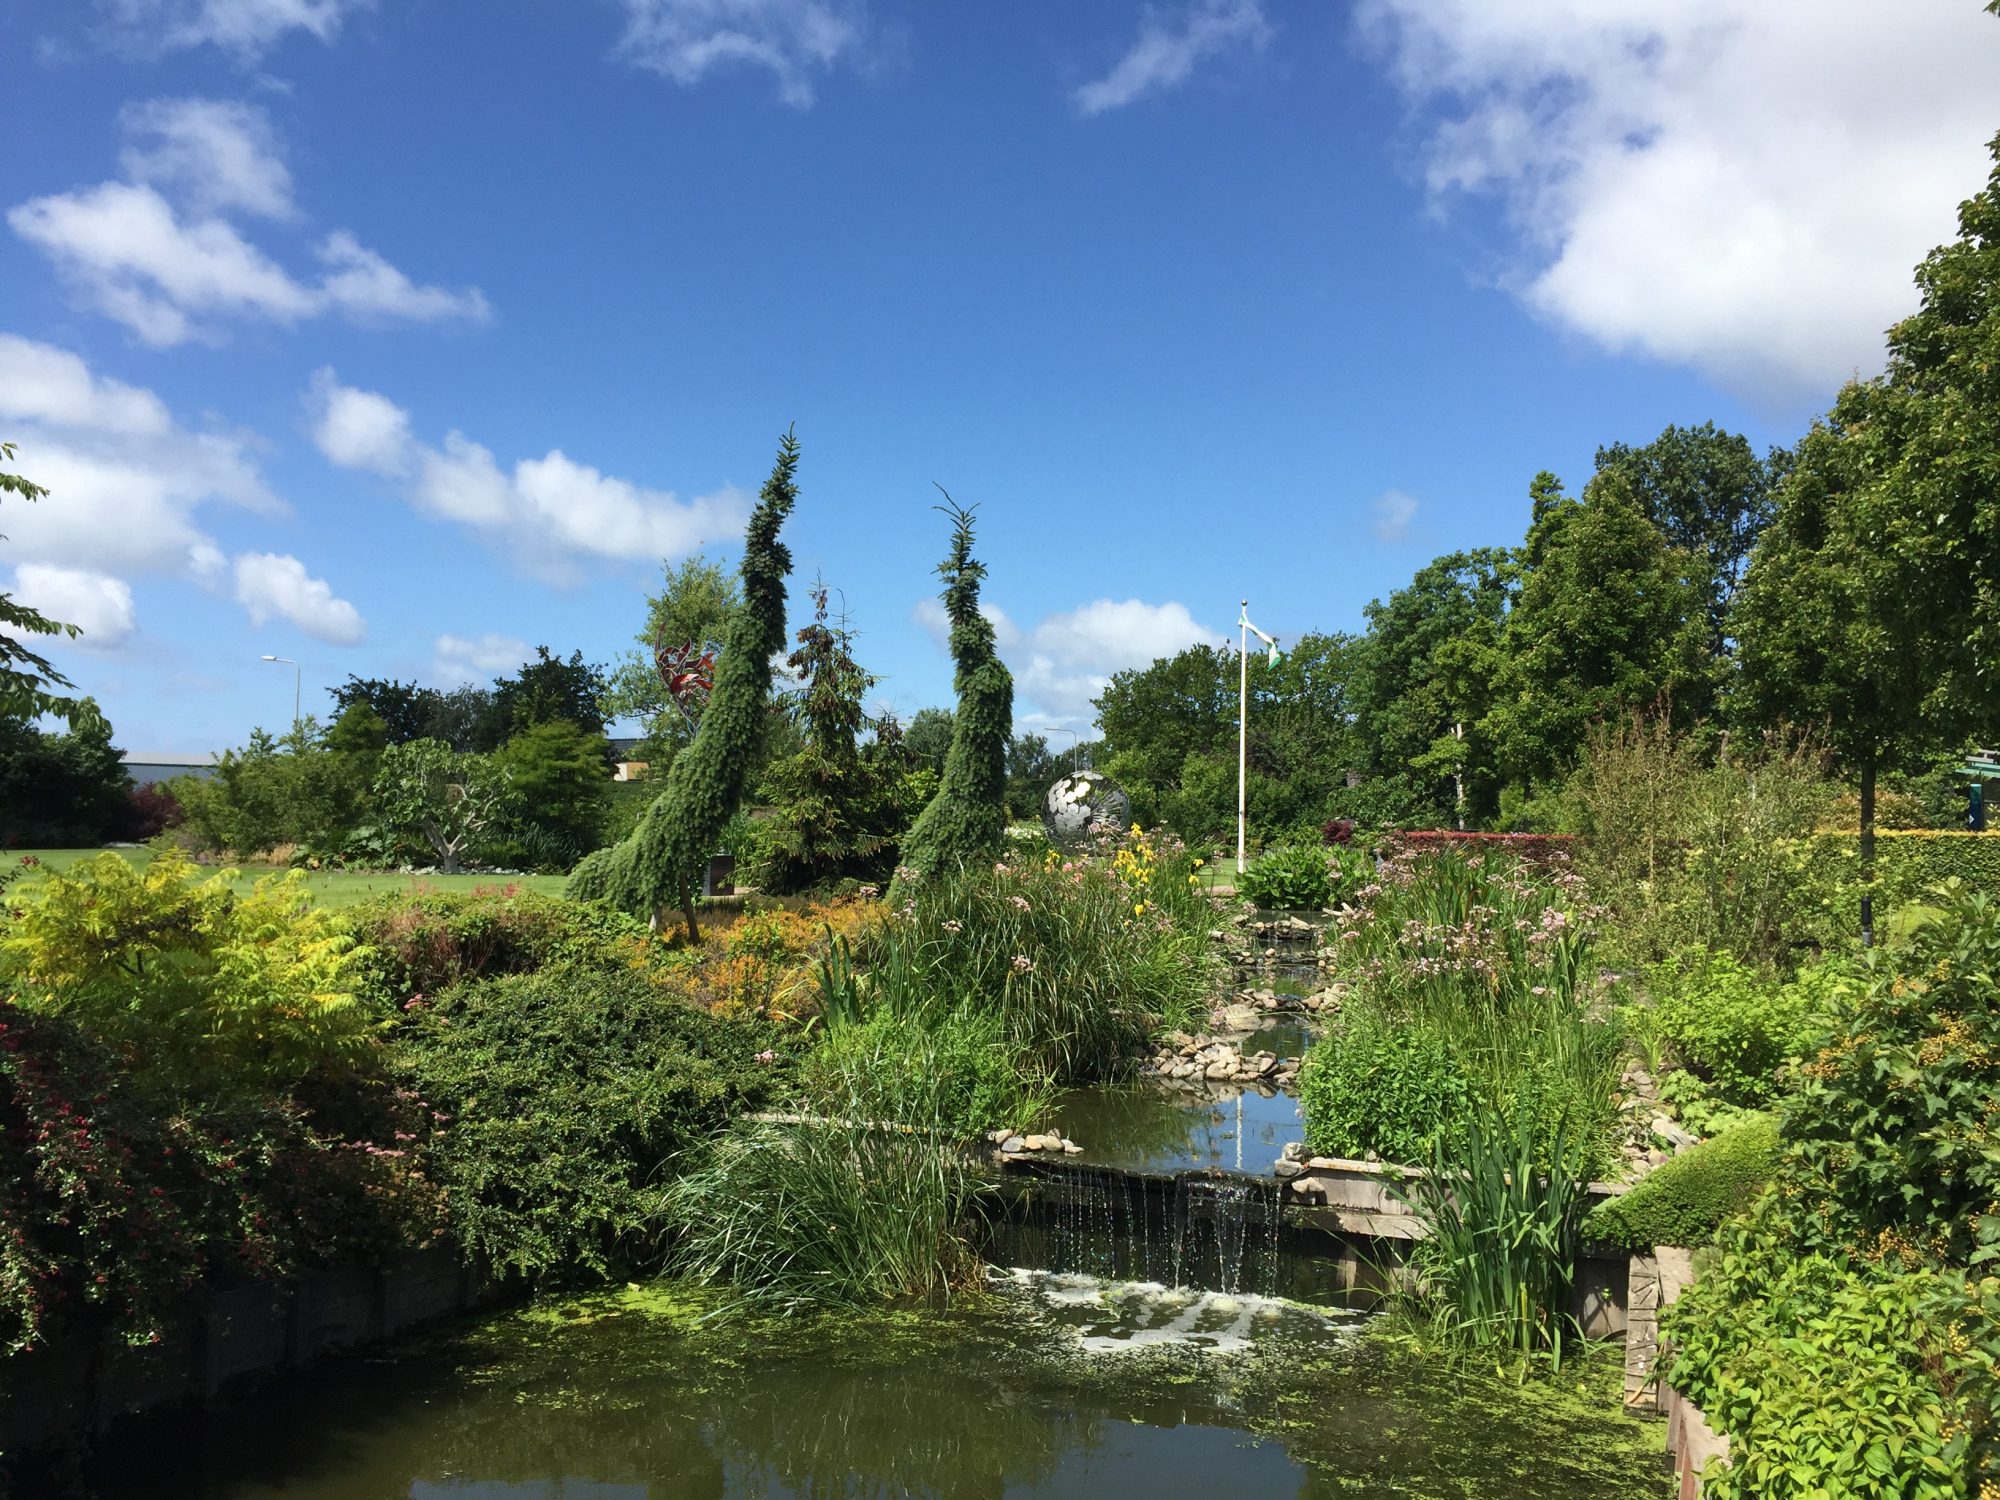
<point x="865" y="1193"/>
<point x="1487" y="962"/>
<point x="1496" y="1267"/>
<point x="1080" y="960"/>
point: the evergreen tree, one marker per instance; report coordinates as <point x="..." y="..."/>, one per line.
<point x="658" y="868"/>
<point x="833" y="819"/>
<point x="967" y="819"/>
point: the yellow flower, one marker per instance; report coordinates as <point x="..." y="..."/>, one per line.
<point x="1139" y="909"/>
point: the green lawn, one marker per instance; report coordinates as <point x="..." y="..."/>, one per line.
<point x="329" y="887"/>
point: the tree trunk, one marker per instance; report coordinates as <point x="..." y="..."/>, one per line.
<point x="1868" y="852"/>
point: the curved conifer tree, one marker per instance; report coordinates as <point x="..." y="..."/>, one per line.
<point x="967" y="819"/>
<point x="658" y="868"/>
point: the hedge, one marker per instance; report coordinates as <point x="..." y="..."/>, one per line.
<point x="1530" y="848"/>
<point x="1687" y="1199"/>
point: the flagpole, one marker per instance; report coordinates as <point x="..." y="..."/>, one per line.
<point x="1242" y="726"/>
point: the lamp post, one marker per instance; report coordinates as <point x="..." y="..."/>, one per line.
<point x="1076" y="742"/>
<point x="298" y="679"/>
<point x="1243" y="724"/>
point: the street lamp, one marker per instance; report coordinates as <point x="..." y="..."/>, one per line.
<point x="1075" y="749"/>
<point x="298" y="677"/>
<point x="1243" y="722"/>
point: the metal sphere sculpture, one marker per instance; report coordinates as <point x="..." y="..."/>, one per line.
<point x="1084" y="803"/>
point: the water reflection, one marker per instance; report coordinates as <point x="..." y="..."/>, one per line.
<point x="1143" y="1127"/>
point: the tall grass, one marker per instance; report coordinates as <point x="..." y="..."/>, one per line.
<point x="867" y="1194"/>
<point x="1080" y="960"/>
<point x="1496" y="1269"/>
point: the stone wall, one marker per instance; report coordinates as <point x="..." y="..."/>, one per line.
<point x="227" y="1338"/>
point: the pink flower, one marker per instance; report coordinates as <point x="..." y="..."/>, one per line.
<point x="766" y="1057"/>
<point x="1019" y="903"/>
<point x="1023" y="964"/>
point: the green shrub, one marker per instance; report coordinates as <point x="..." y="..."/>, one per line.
<point x="562" y="1093"/>
<point x="1894" y="1132"/>
<point x="1735" y="1028"/>
<point x="1848" y="1338"/>
<point x="422" y="943"/>
<point x="1374" y="1087"/>
<point x="1290" y="877"/>
<point x="1686" y="1200"/>
<point x="1836" y="1377"/>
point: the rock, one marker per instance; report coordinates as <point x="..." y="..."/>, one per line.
<point x="1672" y="1133"/>
<point x="1217" y="1070"/>
<point x="1287" y="1169"/>
<point x="1294" y="1151"/>
<point x="1321" y="1163"/>
<point x="1013" y="1143"/>
<point x="1071" y="1148"/>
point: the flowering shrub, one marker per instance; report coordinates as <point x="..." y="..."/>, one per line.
<point x="1485" y="961"/>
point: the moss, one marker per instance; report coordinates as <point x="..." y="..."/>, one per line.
<point x="1686" y="1200"/>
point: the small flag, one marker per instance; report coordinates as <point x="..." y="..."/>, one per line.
<point x="1269" y="640"/>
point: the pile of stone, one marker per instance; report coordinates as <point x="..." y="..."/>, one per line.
<point x="1014" y="1143"/>
<point x="1192" y="1060"/>
<point x="1327" y="999"/>
<point x="1648" y="1134"/>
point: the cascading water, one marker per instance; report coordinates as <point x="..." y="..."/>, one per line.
<point x="1202" y="1231"/>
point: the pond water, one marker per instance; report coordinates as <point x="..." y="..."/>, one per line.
<point x="1040" y="1385"/>
<point x="1146" y="1127"/>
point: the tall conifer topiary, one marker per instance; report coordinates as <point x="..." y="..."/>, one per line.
<point x="659" y="867"/>
<point x="967" y="818"/>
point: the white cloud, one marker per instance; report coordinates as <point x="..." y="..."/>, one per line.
<point x="1744" y="189"/>
<point x="464" y="660"/>
<point x="126" y="485"/>
<point x="1065" y="660"/>
<point x="359" y="429"/>
<point x="44" y="384"/>
<point x="172" y="270"/>
<point x="218" y="155"/>
<point x="1167" y="51"/>
<point x="1390" y="515"/>
<point x="549" y="510"/>
<point x="246" y="27"/>
<point x="125" y="480"/>
<point x="792" y="39"/>
<point x="276" y="586"/>
<point x="98" y="604"/>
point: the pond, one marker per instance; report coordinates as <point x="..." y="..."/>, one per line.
<point x="1144" y="1127"/>
<point x="1038" y="1385"/>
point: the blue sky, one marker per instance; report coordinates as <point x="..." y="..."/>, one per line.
<point x="401" y="337"/>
